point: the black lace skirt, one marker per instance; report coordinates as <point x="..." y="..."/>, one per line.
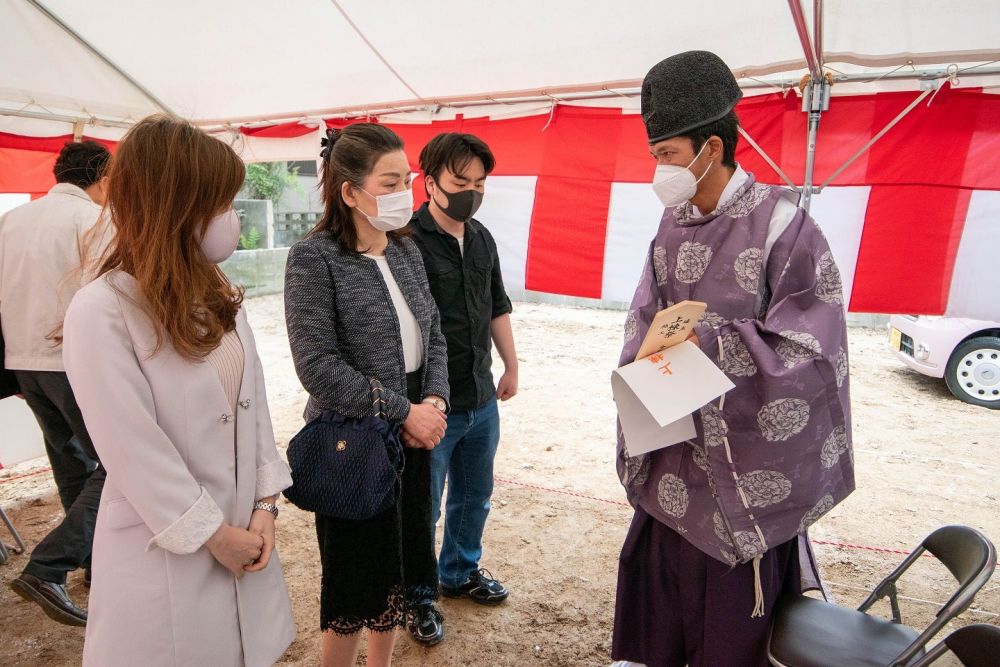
<point x="374" y="569"/>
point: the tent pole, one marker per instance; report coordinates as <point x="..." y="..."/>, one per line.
<point x="818" y="31"/>
<point x="871" y="142"/>
<point x="815" y="100"/>
<point x="107" y="61"/>
<point x="799" y="18"/>
<point x="576" y="93"/>
<point x="72" y="120"/>
<point x="767" y="158"/>
<point x="815" y="94"/>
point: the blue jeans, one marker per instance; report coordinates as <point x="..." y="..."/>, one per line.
<point x="465" y="457"/>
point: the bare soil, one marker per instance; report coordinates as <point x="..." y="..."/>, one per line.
<point x="924" y="460"/>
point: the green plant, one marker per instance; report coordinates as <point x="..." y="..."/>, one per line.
<point x="250" y="240"/>
<point x="268" y="180"/>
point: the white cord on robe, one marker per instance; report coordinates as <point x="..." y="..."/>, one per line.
<point x="758" y="609"/>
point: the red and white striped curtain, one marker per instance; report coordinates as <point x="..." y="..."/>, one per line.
<point x="914" y="223"/>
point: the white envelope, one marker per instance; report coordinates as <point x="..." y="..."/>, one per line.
<point x="656" y="396"/>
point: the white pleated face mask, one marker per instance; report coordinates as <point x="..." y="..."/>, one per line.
<point x="394" y="210"/>
<point x="675" y="185"/>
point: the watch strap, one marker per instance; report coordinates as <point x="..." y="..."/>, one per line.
<point x="267" y="507"/>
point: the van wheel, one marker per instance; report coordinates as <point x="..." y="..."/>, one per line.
<point x="973" y="371"/>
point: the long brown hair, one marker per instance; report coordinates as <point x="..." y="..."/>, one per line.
<point x="166" y="181"/>
<point x="349" y="156"/>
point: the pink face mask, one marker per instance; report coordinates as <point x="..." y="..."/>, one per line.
<point x="221" y="237"/>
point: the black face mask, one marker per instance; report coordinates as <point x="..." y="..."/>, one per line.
<point x="462" y="205"/>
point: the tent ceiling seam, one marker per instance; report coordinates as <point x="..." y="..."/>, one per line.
<point x="374" y="50"/>
<point x="45" y="11"/>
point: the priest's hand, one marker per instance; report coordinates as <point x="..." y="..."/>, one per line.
<point x="693" y="337"/>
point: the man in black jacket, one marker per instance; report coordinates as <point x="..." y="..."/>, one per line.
<point x="463" y="268"/>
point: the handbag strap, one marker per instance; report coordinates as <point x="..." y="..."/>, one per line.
<point x="378" y="401"/>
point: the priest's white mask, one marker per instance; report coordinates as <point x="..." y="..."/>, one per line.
<point x="674" y="184"/>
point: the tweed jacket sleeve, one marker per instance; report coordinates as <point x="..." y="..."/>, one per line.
<point x="311" y="318"/>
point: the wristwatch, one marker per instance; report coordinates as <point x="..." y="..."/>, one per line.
<point x="267" y="507"/>
<point x="437" y="403"/>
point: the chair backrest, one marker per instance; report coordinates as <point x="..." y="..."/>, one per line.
<point x="968" y="555"/>
<point x="974" y="645"/>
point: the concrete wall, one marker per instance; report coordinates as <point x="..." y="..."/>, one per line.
<point x="256" y="214"/>
<point x="310" y="199"/>
<point x="290" y="227"/>
<point x="259" y="271"/>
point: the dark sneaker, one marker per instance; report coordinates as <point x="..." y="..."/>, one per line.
<point x="426" y="624"/>
<point x="480" y="587"/>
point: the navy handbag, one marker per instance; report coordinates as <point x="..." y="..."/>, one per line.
<point x="346" y="467"/>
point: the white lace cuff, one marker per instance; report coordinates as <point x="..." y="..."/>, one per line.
<point x="272" y="479"/>
<point x="188" y="533"/>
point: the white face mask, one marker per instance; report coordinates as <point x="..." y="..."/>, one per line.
<point x="394" y="210"/>
<point x="675" y="185"/>
<point x="221" y="237"/>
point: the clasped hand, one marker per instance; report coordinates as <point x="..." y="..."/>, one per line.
<point x="238" y="549"/>
<point x="424" y="427"/>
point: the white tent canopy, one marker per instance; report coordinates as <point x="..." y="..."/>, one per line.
<point x="109" y="62"/>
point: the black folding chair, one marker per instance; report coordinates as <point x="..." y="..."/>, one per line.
<point x="6" y="549"/>
<point x="974" y="645"/>
<point x="812" y="633"/>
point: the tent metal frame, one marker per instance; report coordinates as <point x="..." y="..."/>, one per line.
<point x="578" y="93"/>
<point x="815" y="88"/>
<point x="67" y="118"/>
<point x="927" y="77"/>
<point x="815" y="93"/>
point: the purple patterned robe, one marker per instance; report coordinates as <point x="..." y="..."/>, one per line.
<point x="774" y="454"/>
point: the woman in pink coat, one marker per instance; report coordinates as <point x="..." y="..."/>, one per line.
<point x="165" y="369"/>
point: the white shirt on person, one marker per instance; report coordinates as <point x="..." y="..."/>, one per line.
<point x="41" y="252"/>
<point x="409" y="329"/>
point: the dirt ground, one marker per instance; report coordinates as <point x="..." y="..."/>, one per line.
<point x="923" y="460"/>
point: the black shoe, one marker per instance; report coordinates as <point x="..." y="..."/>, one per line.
<point x="51" y="597"/>
<point x="426" y="624"/>
<point x="480" y="587"/>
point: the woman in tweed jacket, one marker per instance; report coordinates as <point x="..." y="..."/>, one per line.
<point x="358" y="306"/>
